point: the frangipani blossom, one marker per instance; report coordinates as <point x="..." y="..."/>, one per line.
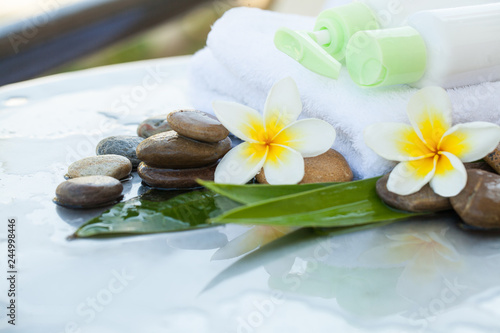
<point x="431" y="150"/>
<point x="277" y="141"/>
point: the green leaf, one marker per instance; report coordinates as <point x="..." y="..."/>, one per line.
<point x="248" y="194"/>
<point x="152" y="213"/>
<point x="339" y="205"/>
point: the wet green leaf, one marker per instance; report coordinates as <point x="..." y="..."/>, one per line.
<point x="248" y="194"/>
<point x="339" y="205"/>
<point x="155" y="212"/>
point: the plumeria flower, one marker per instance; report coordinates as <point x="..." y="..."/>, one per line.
<point x="431" y="150"/>
<point x="276" y="141"/>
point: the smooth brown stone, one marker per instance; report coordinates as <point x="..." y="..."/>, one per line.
<point x="175" y="178"/>
<point x="173" y="151"/>
<point x="328" y="167"/>
<point x="89" y="191"/>
<point x="425" y="200"/>
<point x="153" y="125"/>
<point x="481" y="165"/>
<point x="479" y="202"/>
<point x="197" y="125"/>
<point x="493" y="159"/>
<point x="104" y="165"/>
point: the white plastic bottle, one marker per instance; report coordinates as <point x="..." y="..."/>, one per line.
<point x="394" y="13"/>
<point x="447" y="47"/>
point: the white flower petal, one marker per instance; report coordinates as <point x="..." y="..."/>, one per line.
<point x="472" y="141"/>
<point x="251" y="240"/>
<point x="450" y="177"/>
<point x="243" y="121"/>
<point x="242" y="244"/>
<point x="283" y="166"/>
<point x="310" y="137"/>
<point x="241" y="164"/>
<point x="409" y="177"/>
<point x="283" y="106"/>
<point x="395" y="142"/>
<point x="429" y="111"/>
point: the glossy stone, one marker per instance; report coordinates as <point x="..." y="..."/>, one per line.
<point x="124" y="145"/>
<point x="493" y="159"/>
<point x="115" y="166"/>
<point x="424" y="200"/>
<point x="171" y="150"/>
<point x="328" y="167"/>
<point x="174" y="178"/>
<point x="479" y="202"/>
<point x="153" y="125"/>
<point x="481" y="165"/>
<point x="89" y="191"/>
<point x="197" y="125"/>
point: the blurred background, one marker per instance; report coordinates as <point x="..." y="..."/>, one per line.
<point x="42" y="37"/>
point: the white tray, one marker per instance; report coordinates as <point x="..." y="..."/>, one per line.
<point x="420" y="276"/>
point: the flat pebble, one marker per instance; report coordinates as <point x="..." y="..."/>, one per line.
<point x="89" y="191"/>
<point x="424" y="200"/>
<point x="174" y="178"/>
<point x="197" y="125"/>
<point x="328" y="167"/>
<point x="115" y="166"/>
<point x="153" y="125"/>
<point x="479" y="202"/>
<point x="173" y="151"/>
<point x="124" y="145"/>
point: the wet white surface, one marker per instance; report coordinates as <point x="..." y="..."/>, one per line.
<point x="420" y="276"/>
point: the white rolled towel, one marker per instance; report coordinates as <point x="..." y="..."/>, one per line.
<point x="241" y="63"/>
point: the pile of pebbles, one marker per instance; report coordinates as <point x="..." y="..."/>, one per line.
<point x="167" y="153"/>
<point x="478" y="205"/>
<point x="190" y="150"/>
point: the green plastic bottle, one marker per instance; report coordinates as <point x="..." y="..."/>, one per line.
<point x="323" y="49"/>
<point x="447" y="48"/>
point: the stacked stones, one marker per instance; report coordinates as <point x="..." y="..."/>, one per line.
<point x="190" y="151"/>
<point x="478" y="205"/>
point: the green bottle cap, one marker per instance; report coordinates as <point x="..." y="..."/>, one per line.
<point x="386" y="57"/>
<point x="342" y="22"/>
<point x="303" y="47"/>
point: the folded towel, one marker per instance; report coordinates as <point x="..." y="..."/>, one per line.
<point x="241" y="63"/>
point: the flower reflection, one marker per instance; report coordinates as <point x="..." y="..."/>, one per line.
<point x="254" y="238"/>
<point x="425" y="253"/>
<point x="416" y="269"/>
